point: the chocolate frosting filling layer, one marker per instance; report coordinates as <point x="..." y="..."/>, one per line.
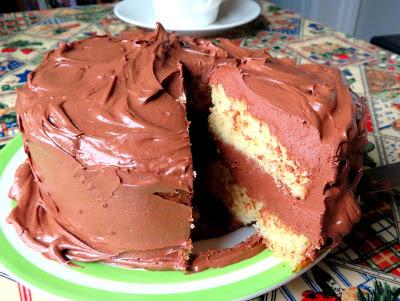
<point x="109" y="174"/>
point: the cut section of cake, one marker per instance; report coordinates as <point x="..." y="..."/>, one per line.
<point x="290" y="140"/>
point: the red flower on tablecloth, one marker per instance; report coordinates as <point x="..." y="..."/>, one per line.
<point x="341" y="56"/>
<point x="396" y="272"/>
<point x="26" y="50"/>
<point x="312" y="296"/>
<point x="8" y="49"/>
<point x="25" y="46"/>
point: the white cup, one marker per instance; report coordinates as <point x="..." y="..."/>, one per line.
<point x="186" y="14"/>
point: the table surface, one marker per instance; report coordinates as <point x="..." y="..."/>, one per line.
<point x="372" y="251"/>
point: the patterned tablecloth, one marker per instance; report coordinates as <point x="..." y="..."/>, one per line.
<point x="372" y="252"/>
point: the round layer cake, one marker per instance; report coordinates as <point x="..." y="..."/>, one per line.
<point x="109" y="175"/>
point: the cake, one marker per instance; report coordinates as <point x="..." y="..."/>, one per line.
<point x="125" y="158"/>
<point x="291" y="140"/>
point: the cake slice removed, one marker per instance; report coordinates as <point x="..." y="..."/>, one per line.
<point x="290" y="140"/>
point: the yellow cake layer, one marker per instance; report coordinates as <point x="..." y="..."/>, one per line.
<point x="232" y="123"/>
<point x="285" y="243"/>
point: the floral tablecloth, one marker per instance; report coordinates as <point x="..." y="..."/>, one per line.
<point x="369" y="259"/>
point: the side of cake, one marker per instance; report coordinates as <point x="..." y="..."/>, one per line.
<point x="290" y="140"/>
<point x="109" y="172"/>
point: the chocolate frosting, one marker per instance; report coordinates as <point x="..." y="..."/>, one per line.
<point x="109" y="174"/>
<point x="220" y="258"/>
<point x="320" y="122"/>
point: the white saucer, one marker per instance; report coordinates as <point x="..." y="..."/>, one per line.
<point x="232" y="13"/>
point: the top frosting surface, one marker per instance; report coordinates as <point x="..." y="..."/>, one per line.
<point x="95" y="90"/>
<point x="94" y="93"/>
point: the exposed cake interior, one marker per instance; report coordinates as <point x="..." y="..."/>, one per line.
<point x="264" y="174"/>
<point x="231" y="123"/>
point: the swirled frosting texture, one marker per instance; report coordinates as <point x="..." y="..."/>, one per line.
<point x="109" y="172"/>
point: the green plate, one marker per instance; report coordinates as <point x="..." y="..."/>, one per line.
<point x="95" y="281"/>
